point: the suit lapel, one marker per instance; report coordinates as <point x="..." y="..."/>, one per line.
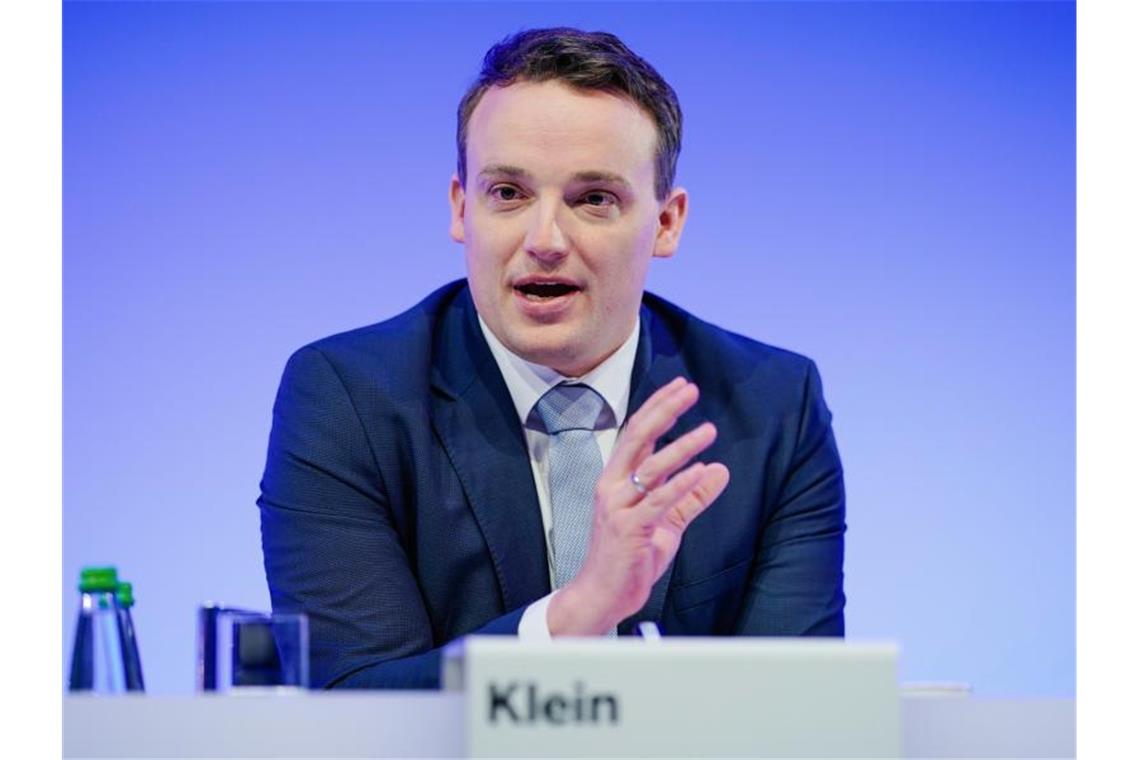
<point x="476" y="421"/>
<point x="658" y="361"/>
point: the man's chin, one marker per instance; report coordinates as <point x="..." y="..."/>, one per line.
<point x="558" y="352"/>
<point x="566" y="348"/>
<point x="554" y="357"/>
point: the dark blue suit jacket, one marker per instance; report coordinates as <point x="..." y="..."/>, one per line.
<point x="398" y="506"/>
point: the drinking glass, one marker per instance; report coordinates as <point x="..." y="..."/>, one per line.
<point x="253" y="651"/>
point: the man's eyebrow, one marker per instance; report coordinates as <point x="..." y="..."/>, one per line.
<point x="516" y="172"/>
<point x="504" y="170"/>
<point x="609" y="178"/>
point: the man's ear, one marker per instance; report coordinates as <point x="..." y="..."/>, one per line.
<point x="671" y="221"/>
<point x="458" y="206"/>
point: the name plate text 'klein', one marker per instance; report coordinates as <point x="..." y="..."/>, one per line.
<point x="677" y="697"/>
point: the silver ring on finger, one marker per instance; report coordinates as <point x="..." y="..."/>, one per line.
<point x="641" y="487"/>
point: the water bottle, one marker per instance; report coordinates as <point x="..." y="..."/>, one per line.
<point x="97" y="655"/>
<point x="124" y="595"/>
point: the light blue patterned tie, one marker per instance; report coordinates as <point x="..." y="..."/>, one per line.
<point x="570" y="414"/>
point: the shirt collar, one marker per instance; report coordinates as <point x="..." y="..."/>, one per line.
<point x="527" y="382"/>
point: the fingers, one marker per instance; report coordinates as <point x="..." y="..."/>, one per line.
<point x="655" y="417"/>
<point x="687" y="494"/>
<point x="670" y="493"/>
<point x="656" y="469"/>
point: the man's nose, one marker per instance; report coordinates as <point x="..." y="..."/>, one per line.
<point x="545" y="238"/>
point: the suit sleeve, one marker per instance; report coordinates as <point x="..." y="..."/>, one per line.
<point x="330" y="545"/>
<point x="796" y="582"/>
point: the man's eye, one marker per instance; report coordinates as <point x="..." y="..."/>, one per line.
<point x="599" y="198"/>
<point x="505" y="193"/>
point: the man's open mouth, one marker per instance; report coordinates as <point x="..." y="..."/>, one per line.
<point x="543" y="291"/>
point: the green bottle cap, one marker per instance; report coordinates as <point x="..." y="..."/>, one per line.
<point x="93" y="579"/>
<point x="125" y="594"/>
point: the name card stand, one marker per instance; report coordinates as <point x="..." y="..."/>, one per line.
<point x="677" y="697"/>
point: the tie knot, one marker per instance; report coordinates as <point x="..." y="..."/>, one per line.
<point x="570" y="407"/>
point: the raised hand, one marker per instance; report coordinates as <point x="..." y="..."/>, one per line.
<point x="643" y="503"/>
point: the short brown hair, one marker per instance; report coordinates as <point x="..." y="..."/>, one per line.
<point x="588" y="61"/>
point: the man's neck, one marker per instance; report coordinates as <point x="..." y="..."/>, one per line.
<point x="527" y="381"/>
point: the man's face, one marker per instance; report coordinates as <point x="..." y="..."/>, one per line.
<point x="559" y="220"/>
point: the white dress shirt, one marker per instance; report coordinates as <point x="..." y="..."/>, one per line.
<point x="527" y="382"/>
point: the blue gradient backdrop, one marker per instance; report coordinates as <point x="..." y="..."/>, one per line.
<point x="888" y="188"/>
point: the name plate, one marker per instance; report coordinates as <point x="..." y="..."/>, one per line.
<point x="677" y="697"/>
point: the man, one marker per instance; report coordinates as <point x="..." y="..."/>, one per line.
<point x="546" y="426"/>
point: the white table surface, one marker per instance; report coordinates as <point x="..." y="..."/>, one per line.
<point x="430" y="724"/>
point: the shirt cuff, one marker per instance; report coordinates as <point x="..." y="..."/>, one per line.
<point x="532" y="625"/>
